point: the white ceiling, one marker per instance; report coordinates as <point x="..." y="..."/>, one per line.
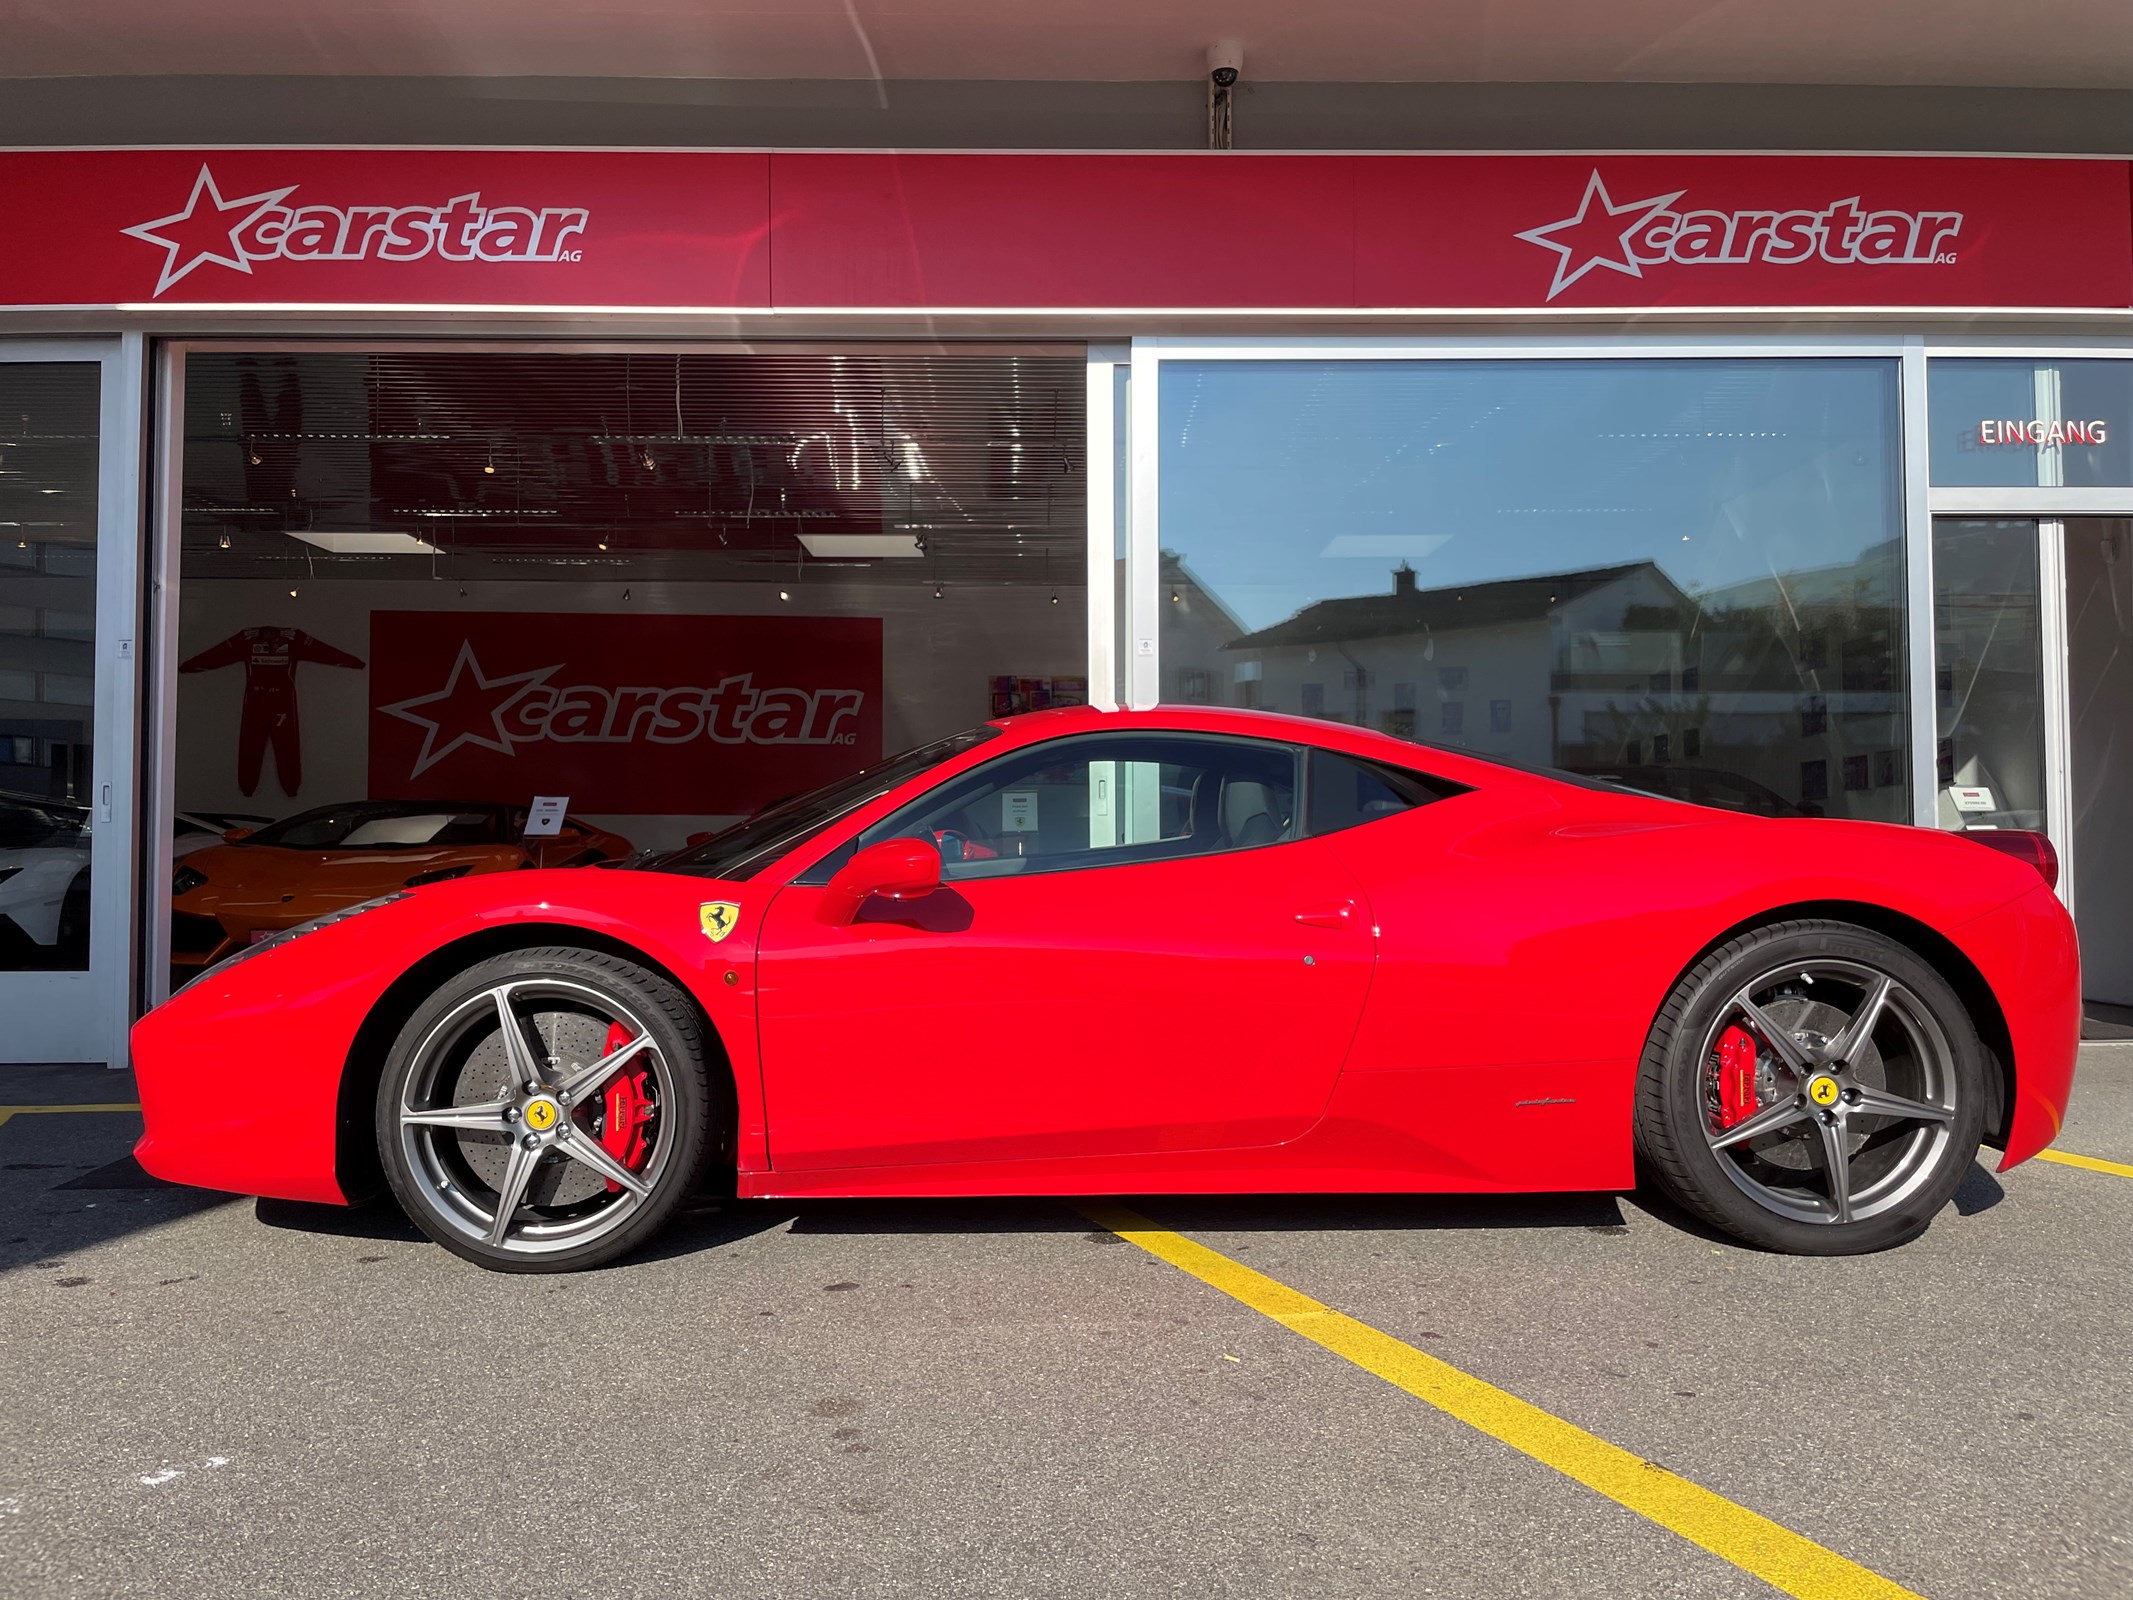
<point x="2013" y="43"/>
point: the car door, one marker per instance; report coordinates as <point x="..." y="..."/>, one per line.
<point x="1133" y="950"/>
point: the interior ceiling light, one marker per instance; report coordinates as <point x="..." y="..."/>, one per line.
<point x="936" y="591"/>
<point x="225" y="541"/>
<point x="766" y="514"/>
<point x="868" y="546"/>
<point x="784" y="594"/>
<point x="696" y="438"/>
<point x="470" y="511"/>
<point x="360" y="542"/>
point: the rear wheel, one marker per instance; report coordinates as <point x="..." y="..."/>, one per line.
<point x="1812" y="1087"/>
<point x="546" y="1110"/>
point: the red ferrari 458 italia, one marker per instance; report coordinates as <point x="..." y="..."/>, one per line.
<point x="1134" y="952"/>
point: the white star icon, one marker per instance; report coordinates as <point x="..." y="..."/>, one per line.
<point x="1618" y="240"/>
<point x="468" y="730"/>
<point x="220" y="235"/>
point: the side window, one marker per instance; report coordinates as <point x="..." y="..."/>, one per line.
<point x="1345" y="792"/>
<point x="1099" y="801"/>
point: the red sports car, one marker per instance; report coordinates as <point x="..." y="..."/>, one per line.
<point x="1088" y="952"/>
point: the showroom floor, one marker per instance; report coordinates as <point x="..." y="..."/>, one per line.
<point x="996" y="1399"/>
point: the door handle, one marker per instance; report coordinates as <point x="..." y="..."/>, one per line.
<point x="1338" y="915"/>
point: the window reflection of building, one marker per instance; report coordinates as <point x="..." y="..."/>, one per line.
<point x="1780" y="694"/>
<point x="1197" y="629"/>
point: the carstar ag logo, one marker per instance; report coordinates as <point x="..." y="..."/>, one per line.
<point x="1626" y="236"/>
<point x="263" y="226"/>
<point x="519" y="708"/>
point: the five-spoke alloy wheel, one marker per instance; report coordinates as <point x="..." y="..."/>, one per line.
<point x="545" y="1110"/>
<point x="1812" y="1087"/>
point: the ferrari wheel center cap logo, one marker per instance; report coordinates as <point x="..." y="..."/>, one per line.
<point x="542" y="1114"/>
<point x="1823" y="1090"/>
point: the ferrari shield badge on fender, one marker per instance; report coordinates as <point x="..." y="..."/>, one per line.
<point x="720" y="917"/>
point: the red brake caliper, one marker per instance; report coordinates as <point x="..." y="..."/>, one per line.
<point x="1736" y="1077"/>
<point x="629" y="1107"/>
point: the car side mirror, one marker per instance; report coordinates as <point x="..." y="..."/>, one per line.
<point x="895" y="869"/>
<point x="236" y="835"/>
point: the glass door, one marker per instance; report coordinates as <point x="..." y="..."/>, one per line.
<point x="2098" y="563"/>
<point x="2033" y="658"/>
<point x="68" y="540"/>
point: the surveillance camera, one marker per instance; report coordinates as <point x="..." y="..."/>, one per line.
<point x="1225" y="62"/>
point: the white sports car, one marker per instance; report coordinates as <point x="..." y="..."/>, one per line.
<point x="44" y="882"/>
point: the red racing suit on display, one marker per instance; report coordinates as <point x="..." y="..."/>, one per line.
<point x="270" y="656"/>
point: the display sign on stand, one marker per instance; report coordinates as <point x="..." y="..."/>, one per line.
<point x="544" y="819"/>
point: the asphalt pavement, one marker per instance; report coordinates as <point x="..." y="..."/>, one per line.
<point x="208" y="1396"/>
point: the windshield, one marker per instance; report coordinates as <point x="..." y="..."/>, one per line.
<point x="746" y="848"/>
<point x="27" y="823"/>
<point x="381" y="826"/>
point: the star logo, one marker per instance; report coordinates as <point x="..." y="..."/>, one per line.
<point x="203" y="233"/>
<point x="1597" y="235"/>
<point x="469" y="709"/>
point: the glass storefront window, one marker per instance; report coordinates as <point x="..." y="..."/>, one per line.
<point x="1988" y="675"/>
<point x="1683" y="574"/>
<point x="2026" y="424"/>
<point x="48" y="514"/>
<point x="421" y="591"/>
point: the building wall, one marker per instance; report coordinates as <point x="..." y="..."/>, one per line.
<point x="1091" y="116"/>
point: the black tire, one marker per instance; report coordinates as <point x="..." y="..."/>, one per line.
<point x="449" y="1179"/>
<point x="1775" y="1189"/>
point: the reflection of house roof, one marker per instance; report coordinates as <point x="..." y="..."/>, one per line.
<point x="1176" y="574"/>
<point x="1466" y="605"/>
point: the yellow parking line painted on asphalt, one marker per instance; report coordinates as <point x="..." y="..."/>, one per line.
<point x="2066" y="1158"/>
<point x="35" y="1111"/>
<point x="1755" y="1544"/>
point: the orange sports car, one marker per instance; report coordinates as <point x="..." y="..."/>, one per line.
<point x="254" y="884"/>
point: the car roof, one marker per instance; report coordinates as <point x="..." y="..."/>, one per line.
<point x="1366" y="743"/>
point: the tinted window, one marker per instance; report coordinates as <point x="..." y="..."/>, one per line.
<point x="747" y="847"/>
<point x="1100" y="801"/>
<point x="381" y="827"/>
<point x="1344" y="793"/>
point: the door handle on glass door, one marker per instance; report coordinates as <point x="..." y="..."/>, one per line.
<point x="1338" y="915"/>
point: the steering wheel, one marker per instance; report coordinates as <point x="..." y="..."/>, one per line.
<point x="944" y="837"/>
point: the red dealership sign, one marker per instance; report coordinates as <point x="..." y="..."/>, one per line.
<point x="827" y="232"/>
<point x="382" y="227"/>
<point x="625" y="713"/>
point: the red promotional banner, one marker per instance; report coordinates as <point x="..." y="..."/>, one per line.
<point x="384" y="227"/>
<point x="1425" y="232"/>
<point x="942" y="232"/>
<point x="625" y="713"/>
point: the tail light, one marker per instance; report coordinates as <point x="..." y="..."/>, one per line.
<point x="2031" y="847"/>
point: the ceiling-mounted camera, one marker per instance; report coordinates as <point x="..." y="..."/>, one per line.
<point x="1225" y="62"/>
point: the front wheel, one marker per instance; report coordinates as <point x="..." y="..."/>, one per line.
<point x="546" y="1110"/>
<point x="1812" y="1087"/>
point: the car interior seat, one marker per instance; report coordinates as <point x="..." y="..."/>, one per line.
<point x="1248" y="813"/>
